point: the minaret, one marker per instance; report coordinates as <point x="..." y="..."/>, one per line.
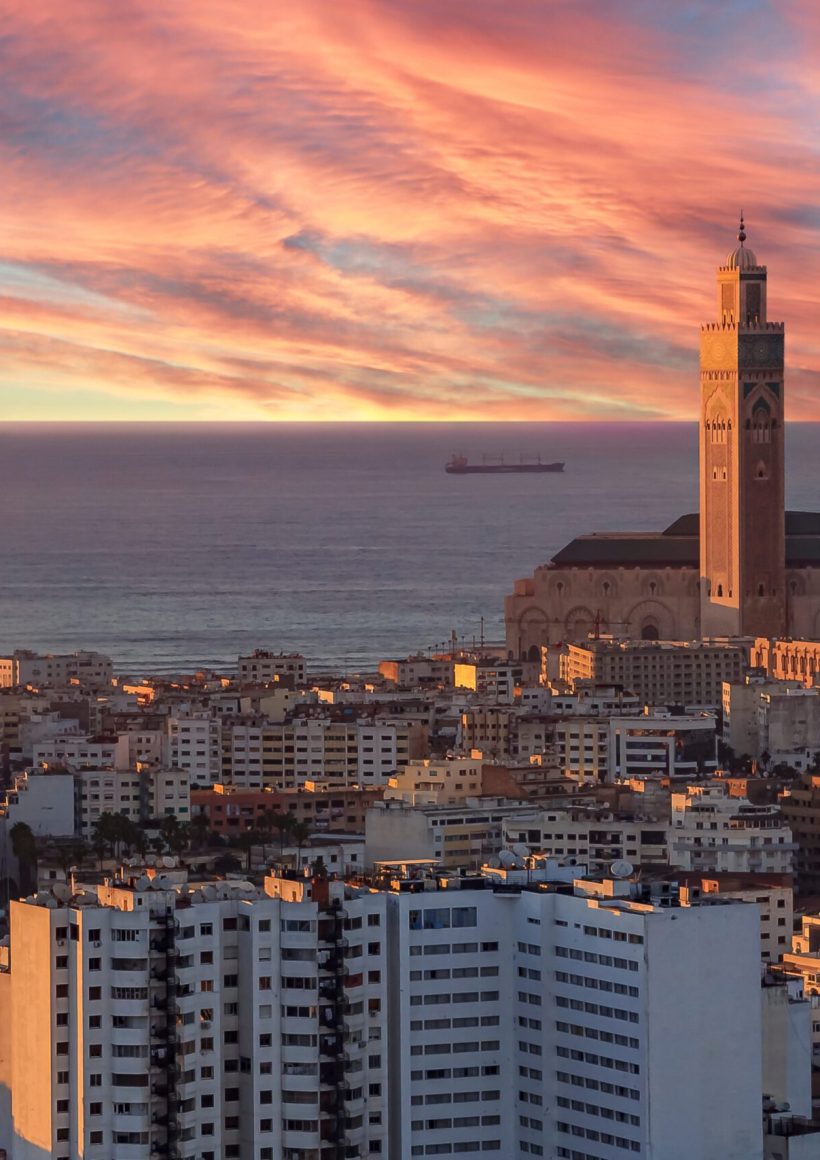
<point x="742" y="498"/>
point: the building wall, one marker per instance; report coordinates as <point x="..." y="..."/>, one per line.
<point x="699" y="984"/>
<point x="660" y="673"/>
<point x="560" y="604"/>
<point x="42" y="801"/>
<point x="787" y="1048"/>
<point x="32" y="1016"/>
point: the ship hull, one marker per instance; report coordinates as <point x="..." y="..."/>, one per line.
<point x="503" y="468"/>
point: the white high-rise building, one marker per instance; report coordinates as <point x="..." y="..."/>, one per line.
<point x="150" y="1021"/>
<point x="514" y="1013"/>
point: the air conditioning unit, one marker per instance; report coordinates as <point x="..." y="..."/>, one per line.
<point x="60" y="942"/>
<point x="97" y="943"/>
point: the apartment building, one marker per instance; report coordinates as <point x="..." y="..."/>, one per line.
<point x="488" y="728"/>
<point x="78" y="751"/>
<point x="741" y="728"/>
<point x="194" y="743"/>
<point x="437" y="782"/>
<point x="149" y="1018"/>
<point x="45" y="802"/>
<point x="659" y="672"/>
<point x="788" y="722"/>
<point x="771" y="893"/>
<point x="91" y="670"/>
<point x="148" y="791"/>
<point x="591" y="837"/>
<point x="713" y="831"/>
<point x="231" y="809"/>
<point x="258" y="754"/>
<point x="262" y="667"/>
<point x="556" y="1025"/>
<point x="800" y="805"/>
<point x="463" y="835"/>
<point x="510" y="1013"/>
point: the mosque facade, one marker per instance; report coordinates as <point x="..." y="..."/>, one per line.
<point x="743" y="566"/>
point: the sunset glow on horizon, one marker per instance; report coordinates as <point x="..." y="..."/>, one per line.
<point x="397" y="211"/>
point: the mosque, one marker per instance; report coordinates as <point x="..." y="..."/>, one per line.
<point x="744" y="566"/>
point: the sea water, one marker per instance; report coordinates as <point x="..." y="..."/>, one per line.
<point x="172" y="547"/>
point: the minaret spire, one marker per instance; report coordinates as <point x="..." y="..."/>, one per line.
<point x="741" y="234"/>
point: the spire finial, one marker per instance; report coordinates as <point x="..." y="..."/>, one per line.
<point x="741" y="234"/>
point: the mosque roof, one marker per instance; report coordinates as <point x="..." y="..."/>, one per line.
<point x="678" y="546"/>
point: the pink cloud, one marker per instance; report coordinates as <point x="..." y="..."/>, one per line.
<point x="398" y="210"/>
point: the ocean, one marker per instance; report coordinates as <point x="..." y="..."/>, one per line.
<point x="172" y="547"/>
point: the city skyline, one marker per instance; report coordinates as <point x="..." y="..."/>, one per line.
<point x="395" y="212"/>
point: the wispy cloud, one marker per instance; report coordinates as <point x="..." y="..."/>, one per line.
<point x="393" y="210"/>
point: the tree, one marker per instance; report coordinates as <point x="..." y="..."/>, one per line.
<point x="226" y="864"/>
<point x="246" y="842"/>
<point x="284" y="823"/>
<point x="71" y="854"/>
<point x="199" y="831"/>
<point x="24" y="847"/>
<point x="113" y="831"/>
<point x="175" y="833"/>
<point x="300" y="832"/>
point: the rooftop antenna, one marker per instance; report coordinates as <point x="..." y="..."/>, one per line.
<point x="482" y="632"/>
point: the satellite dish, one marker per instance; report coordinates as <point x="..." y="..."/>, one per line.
<point x="621" y="868"/>
<point x="507" y="859"/>
<point x="168" y="862"/>
<point x="61" y="891"/>
<point x="520" y="850"/>
<point x="494" y="863"/>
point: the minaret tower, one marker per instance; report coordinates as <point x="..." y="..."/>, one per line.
<point x="742" y="498"/>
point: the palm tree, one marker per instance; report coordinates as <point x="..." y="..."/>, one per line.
<point x="24" y="847"/>
<point x="199" y="831"/>
<point x="284" y="823"/>
<point x="70" y="854"/>
<point x="266" y="824"/>
<point x="300" y="832"/>
<point x="246" y="841"/>
<point x="175" y="833"/>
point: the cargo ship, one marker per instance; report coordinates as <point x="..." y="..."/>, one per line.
<point x="460" y="465"/>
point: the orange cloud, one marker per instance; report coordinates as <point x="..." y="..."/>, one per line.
<point x="391" y="210"/>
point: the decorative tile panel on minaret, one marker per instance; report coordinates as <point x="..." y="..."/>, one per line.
<point x="742" y="495"/>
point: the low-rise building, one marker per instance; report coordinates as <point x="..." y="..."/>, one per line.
<point x="591" y="836"/>
<point x="432" y="782"/>
<point x="90" y="670"/>
<point x="800" y="804"/>
<point x="715" y="832"/>
<point x="659" y="672"/>
<point x="232" y="810"/>
<point x="741" y="712"/>
<point x="263" y="667"/>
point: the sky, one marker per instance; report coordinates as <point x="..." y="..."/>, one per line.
<point x="396" y="209"/>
